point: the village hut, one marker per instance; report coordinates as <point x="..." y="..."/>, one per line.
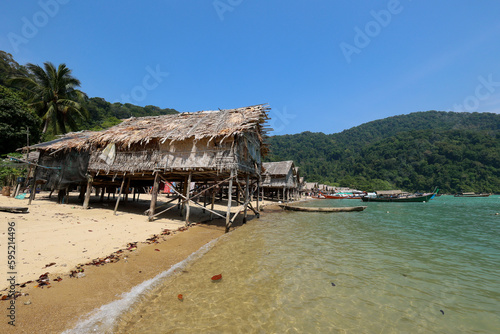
<point x="311" y="188"/>
<point x="221" y="148"/>
<point x="59" y="164"/>
<point x="279" y="180"/>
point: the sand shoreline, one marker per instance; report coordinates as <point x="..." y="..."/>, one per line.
<point x="42" y="238"/>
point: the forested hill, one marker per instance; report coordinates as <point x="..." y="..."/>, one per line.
<point x="453" y="151"/>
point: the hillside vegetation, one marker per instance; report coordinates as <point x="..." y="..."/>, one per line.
<point x="415" y="152"/>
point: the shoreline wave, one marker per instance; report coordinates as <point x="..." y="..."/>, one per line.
<point x="104" y="318"/>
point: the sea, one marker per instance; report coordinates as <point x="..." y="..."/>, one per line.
<point x="393" y="268"/>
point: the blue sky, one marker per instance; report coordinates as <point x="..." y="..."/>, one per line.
<point x="322" y="65"/>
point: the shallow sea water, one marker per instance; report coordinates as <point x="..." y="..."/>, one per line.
<point x="393" y="268"/>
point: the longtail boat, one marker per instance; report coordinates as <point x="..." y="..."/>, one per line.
<point x="402" y="197"/>
<point x="471" y="195"/>
<point x="328" y="209"/>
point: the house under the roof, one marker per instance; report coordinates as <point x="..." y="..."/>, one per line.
<point x="210" y="147"/>
<point x="279" y="180"/>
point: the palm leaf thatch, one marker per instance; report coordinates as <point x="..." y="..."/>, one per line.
<point x="219" y="124"/>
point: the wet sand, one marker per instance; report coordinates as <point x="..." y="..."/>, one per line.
<point x="67" y="235"/>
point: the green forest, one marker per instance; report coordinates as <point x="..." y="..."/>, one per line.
<point x="415" y="152"/>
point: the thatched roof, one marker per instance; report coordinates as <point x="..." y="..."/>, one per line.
<point x="196" y="125"/>
<point x="218" y="124"/>
<point x="66" y="142"/>
<point x="277" y="168"/>
<point x="311" y="185"/>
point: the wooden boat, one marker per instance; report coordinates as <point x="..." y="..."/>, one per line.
<point x="343" y="197"/>
<point x="402" y="198"/>
<point x="471" y="195"/>
<point x="411" y="198"/>
<point x="325" y="196"/>
<point x="315" y="209"/>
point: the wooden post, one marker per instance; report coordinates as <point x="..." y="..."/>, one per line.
<point x="246" y="199"/>
<point x="181" y="186"/>
<point x="154" y="196"/>
<point x="205" y="198"/>
<point x="103" y="190"/>
<point x="183" y="207"/>
<point x="33" y="188"/>
<point x="187" y="197"/>
<point x="127" y="187"/>
<point x="229" y="199"/>
<point x="66" y="196"/>
<point x="18" y="187"/>
<point x="214" y="192"/>
<point x="90" y="179"/>
<point x="258" y="194"/>
<point x="119" y="195"/>
<point x="238" y="196"/>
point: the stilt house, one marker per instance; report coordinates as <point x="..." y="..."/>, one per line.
<point x="213" y="147"/>
<point x="279" y="180"/>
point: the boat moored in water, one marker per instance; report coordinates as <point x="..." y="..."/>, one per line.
<point x="471" y="194"/>
<point x="399" y="196"/>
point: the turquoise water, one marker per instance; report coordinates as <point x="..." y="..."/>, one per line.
<point x="393" y="268"/>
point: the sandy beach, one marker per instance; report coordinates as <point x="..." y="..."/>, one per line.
<point x="60" y="238"/>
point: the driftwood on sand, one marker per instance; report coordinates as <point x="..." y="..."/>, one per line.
<point x="14" y="209"/>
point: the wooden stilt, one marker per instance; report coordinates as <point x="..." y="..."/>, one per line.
<point x="154" y="196"/>
<point x="214" y="192"/>
<point x="16" y="192"/>
<point x="258" y="196"/>
<point x="182" y="204"/>
<point x="88" y="192"/>
<point x="119" y="195"/>
<point x="179" y="203"/>
<point x="33" y="188"/>
<point x="103" y="190"/>
<point x="238" y="194"/>
<point x="205" y="198"/>
<point x="229" y="198"/>
<point x="187" y="198"/>
<point x="247" y="184"/>
<point x="127" y="187"/>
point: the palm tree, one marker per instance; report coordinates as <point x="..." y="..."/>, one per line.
<point x="52" y="93"/>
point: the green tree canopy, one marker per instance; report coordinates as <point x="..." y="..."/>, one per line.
<point x="15" y="118"/>
<point x="53" y="93"/>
